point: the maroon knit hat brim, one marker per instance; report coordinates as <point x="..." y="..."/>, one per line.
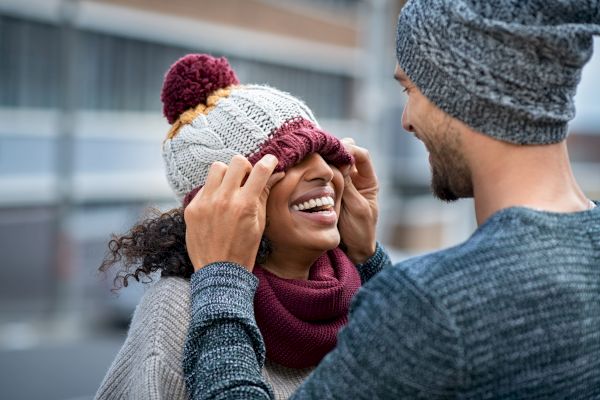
<point x="291" y="143"/>
<point x="296" y="139"/>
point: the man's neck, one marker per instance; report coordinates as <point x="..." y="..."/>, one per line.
<point x="538" y="177"/>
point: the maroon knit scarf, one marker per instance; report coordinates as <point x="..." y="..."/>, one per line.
<point x="299" y="319"/>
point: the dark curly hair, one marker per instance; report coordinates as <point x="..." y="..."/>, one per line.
<point x="157" y="243"/>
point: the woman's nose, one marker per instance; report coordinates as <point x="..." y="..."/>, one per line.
<point x="317" y="168"/>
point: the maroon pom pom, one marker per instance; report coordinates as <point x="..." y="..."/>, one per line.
<point x="191" y="80"/>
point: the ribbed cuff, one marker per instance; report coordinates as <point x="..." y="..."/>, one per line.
<point x="374" y="264"/>
<point x="223" y="290"/>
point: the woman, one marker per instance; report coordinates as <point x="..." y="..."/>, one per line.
<point x="305" y="281"/>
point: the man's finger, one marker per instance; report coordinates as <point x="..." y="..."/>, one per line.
<point x="215" y="176"/>
<point x="362" y="162"/>
<point x="260" y="174"/>
<point x="361" y="156"/>
<point x="273" y="179"/>
<point x="239" y="167"/>
<point x="351" y="195"/>
<point x="345" y="169"/>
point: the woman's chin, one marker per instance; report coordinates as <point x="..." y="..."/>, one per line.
<point x="327" y="243"/>
<point x="311" y="241"/>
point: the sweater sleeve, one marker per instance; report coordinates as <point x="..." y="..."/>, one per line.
<point x="374" y="264"/>
<point x="224" y="351"/>
<point x="148" y="365"/>
<point x="151" y="379"/>
<point x="156" y="381"/>
<point x="399" y="343"/>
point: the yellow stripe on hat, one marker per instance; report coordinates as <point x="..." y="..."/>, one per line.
<point x="190" y="115"/>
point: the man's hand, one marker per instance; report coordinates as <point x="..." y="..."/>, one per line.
<point x="358" y="216"/>
<point x="226" y="219"/>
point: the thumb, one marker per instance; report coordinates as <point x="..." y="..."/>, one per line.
<point x="272" y="181"/>
<point x="351" y="194"/>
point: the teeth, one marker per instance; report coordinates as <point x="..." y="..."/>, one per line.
<point x="312" y="203"/>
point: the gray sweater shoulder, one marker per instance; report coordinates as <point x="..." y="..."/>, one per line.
<point x="150" y="362"/>
<point x="523" y="286"/>
<point x="148" y="366"/>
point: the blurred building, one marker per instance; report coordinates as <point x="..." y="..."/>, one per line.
<point x="80" y="133"/>
<point x="81" y="128"/>
<point x="81" y="121"/>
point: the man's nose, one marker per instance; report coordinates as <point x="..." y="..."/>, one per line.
<point x="405" y="123"/>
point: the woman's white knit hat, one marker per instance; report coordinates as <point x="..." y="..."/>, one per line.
<point x="214" y="118"/>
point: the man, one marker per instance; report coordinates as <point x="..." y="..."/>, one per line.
<point x="514" y="312"/>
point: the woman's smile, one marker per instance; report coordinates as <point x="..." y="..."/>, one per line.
<point x="316" y="205"/>
<point x="303" y="210"/>
<point x="324" y="217"/>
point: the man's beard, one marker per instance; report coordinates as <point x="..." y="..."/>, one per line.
<point x="440" y="186"/>
<point x="450" y="172"/>
<point x="451" y="180"/>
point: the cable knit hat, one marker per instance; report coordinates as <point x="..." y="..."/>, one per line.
<point x="507" y="68"/>
<point x="213" y="118"/>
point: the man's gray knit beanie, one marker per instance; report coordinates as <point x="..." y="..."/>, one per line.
<point x="507" y="68"/>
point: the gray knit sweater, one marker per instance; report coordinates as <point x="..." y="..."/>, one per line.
<point x="512" y="313"/>
<point x="149" y="365"/>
